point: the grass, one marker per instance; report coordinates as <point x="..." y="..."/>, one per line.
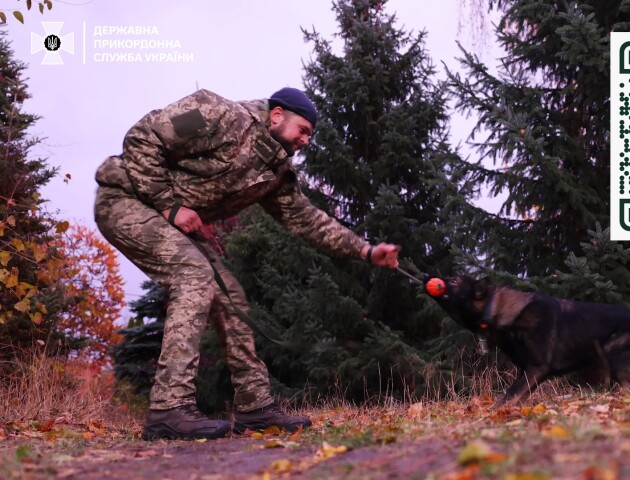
<point x="53" y="413"/>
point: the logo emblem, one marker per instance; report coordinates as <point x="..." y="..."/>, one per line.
<point x="624" y="214"/>
<point x="52" y="43"/>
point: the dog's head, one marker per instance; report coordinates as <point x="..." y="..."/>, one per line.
<point x="465" y="300"/>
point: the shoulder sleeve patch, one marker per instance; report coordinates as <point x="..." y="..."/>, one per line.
<point x="188" y="123"/>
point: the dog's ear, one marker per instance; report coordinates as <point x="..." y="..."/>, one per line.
<point x="481" y="288"/>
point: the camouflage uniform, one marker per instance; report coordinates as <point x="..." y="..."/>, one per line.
<point x="216" y="157"/>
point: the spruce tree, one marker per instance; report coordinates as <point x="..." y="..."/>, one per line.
<point x="544" y="125"/>
<point x="24" y="225"/>
<point x="379" y="162"/>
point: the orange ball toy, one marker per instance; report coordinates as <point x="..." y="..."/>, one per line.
<point x="435" y="287"/>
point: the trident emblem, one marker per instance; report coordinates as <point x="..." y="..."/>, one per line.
<point x="52" y="43"/>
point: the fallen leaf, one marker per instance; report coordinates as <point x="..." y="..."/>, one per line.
<point x="594" y="473"/>
<point x="282" y="465"/>
<point x="147" y="453"/>
<point x="273" y="443"/>
<point x="527" y="476"/>
<point x="475" y="452"/>
<point x="568" y="457"/>
<point x="539" y="409"/>
<point x="600" y="408"/>
<point x="46" y="426"/>
<point x="295" y="436"/>
<point x="556" y="431"/>
<point x="269" y="431"/>
<point x="327" y="451"/>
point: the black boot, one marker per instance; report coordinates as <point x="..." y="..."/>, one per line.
<point x="266" y="417"/>
<point x="185" y="422"/>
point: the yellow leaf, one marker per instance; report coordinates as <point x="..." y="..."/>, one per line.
<point x="201" y="440"/>
<point x="556" y="432"/>
<point x="88" y="435"/>
<point x="1" y="229"/>
<point x="3" y="17"/>
<point x="474" y="452"/>
<point x="527" y="476"/>
<point x="5" y="257"/>
<point x="327" y="451"/>
<point x="39" y="251"/>
<point x="539" y="409"/>
<point x="20" y="291"/>
<point x="273" y="430"/>
<point x="282" y="465"/>
<point x="257" y="435"/>
<point x="11" y="281"/>
<point x="17" y="244"/>
<point x="62" y="226"/>
<point x="11" y="220"/>
<point x="22" y="306"/>
<point x="41" y="307"/>
<point x="2" y="319"/>
<point x="273" y="443"/>
<point x="18" y="16"/>
<point x="36" y="318"/>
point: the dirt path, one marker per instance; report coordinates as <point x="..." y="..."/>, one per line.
<point x="569" y="438"/>
<point x="231" y="458"/>
<point x="240" y="458"/>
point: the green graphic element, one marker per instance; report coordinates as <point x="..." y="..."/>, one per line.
<point x="623" y="68"/>
<point x="624" y="205"/>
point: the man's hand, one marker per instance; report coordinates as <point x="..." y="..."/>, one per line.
<point x="383" y="254"/>
<point x="186" y="219"/>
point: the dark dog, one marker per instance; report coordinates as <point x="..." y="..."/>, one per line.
<point x="542" y="335"/>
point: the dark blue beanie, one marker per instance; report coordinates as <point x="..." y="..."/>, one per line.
<point x="296" y="101"/>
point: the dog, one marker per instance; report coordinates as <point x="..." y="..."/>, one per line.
<point x="542" y="335"/>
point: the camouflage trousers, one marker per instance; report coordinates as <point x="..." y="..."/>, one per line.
<point x="169" y="258"/>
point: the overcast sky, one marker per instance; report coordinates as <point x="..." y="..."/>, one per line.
<point x="119" y="59"/>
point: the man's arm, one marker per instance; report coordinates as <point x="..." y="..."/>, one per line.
<point x="292" y="209"/>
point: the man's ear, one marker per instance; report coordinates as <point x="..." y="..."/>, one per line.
<point x="481" y="288"/>
<point x="276" y="115"/>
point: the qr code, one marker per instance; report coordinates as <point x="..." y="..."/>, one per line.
<point x="624" y="135"/>
<point x="620" y="136"/>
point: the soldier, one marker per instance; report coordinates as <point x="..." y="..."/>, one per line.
<point x="201" y="159"/>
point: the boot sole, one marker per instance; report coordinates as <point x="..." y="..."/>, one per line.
<point x="164" y="432"/>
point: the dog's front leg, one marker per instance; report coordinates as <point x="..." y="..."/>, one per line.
<point x="527" y="381"/>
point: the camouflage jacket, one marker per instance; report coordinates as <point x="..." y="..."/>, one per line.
<point x="216" y="157"/>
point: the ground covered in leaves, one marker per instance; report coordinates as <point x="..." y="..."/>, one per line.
<point x="571" y="437"/>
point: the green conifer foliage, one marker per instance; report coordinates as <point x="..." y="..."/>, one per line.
<point x="544" y="125"/>
<point x="23" y="224"/>
<point x="379" y="161"/>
